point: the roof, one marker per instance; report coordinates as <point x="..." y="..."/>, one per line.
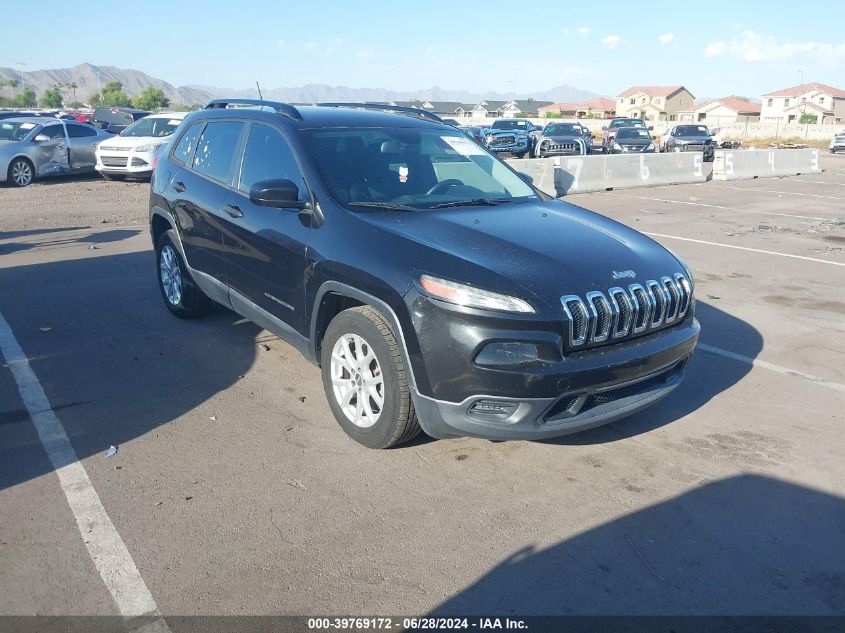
<point x="653" y="91"/>
<point x="599" y="103"/>
<point x="804" y="88"/>
<point x="732" y="103"/>
<point x="35" y="120"/>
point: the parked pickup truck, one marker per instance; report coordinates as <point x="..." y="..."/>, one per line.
<point x="512" y="136"/>
<point x="563" y="139"/>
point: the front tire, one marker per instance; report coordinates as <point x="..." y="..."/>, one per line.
<point x="180" y="293"/>
<point x="21" y="172"/>
<point x="366" y="380"/>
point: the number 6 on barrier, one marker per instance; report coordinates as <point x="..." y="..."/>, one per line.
<point x="697" y="162"/>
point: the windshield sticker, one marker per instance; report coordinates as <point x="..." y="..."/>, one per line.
<point x="463" y="146"/>
<point x="27" y="126"/>
<point x="403" y="173"/>
<point x="174" y="122"/>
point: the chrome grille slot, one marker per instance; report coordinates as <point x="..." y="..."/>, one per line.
<point x="686" y="294"/>
<point x="645" y="303"/>
<point x="624" y="312"/>
<point x="660" y="302"/>
<point x="600" y="316"/>
<point x="674" y="298"/>
<point x="578" y="319"/>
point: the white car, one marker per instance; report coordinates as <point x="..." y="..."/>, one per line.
<point x="132" y="152"/>
<point x="837" y="143"/>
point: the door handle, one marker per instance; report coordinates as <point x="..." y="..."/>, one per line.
<point x="233" y="211"/>
<point x="179" y="186"/>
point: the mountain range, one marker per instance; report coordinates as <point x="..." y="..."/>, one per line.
<point x="90" y="78"/>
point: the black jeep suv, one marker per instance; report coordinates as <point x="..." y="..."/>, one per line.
<point x="432" y="284"/>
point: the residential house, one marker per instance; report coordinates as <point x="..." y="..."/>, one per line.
<point x="655" y="103"/>
<point x="599" y="108"/>
<point x="440" y="108"/>
<point x="725" y="111"/>
<point x="826" y="102"/>
<point x="489" y="108"/>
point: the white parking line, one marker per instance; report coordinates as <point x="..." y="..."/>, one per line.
<point x="818" y="182"/>
<point x="106" y="548"/>
<point x="716" y="206"/>
<point x="745" y="248"/>
<point x="771" y="366"/>
<point x="786" y="193"/>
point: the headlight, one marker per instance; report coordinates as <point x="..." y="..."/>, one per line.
<point x="148" y="148"/>
<point x="650" y="146"/>
<point x="617" y="146"/>
<point x="471" y="297"/>
<point x="489" y="139"/>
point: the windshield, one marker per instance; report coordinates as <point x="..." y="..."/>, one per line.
<point x="632" y="132"/>
<point x="15" y="131"/>
<point x="411" y="169"/>
<point x="510" y="124"/>
<point x="692" y="130"/>
<point x="562" y="129"/>
<point x="627" y="123"/>
<point x="152" y="126"/>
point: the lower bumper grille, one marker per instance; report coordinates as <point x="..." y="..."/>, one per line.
<point x="113" y="161"/>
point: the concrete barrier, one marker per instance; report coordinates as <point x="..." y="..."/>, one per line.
<point x="541" y="170"/>
<point x="744" y="164"/>
<point x="582" y="174"/>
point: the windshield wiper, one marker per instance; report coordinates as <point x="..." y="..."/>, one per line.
<point x="472" y="202"/>
<point x="392" y="206"/>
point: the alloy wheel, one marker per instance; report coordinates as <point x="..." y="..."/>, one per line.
<point x="21" y="173"/>
<point x="357" y="380"/>
<point x="171" y="275"/>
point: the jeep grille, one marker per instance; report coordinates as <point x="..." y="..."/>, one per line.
<point x="625" y="312"/>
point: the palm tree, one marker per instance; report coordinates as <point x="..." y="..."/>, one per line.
<point x="73" y="86"/>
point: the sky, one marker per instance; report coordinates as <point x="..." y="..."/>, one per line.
<point x="714" y="48"/>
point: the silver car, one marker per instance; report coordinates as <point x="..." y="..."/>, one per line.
<point x="35" y="147"/>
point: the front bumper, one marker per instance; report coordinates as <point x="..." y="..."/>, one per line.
<point x="126" y="163"/>
<point x="547" y="148"/>
<point x="561" y="394"/>
<point x="631" y="150"/>
<point x="519" y="147"/>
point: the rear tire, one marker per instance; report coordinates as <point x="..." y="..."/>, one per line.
<point x="21" y="173"/>
<point x="366" y="380"/>
<point x="180" y="293"/>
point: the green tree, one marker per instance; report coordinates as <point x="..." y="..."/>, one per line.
<point x="808" y="118"/>
<point x="113" y="95"/>
<point x="26" y="99"/>
<point x="151" y="99"/>
<point x="95" y="100"/>
<point x="52" y="98"/>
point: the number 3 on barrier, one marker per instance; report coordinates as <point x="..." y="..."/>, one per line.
<point x="644" y="171"/>
<point x="729" y="163"/>
<point x="814" y="161"/>
<point x="573" y="166"/>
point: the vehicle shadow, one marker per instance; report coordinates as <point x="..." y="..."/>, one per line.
<point x="746" y="545"/>
<point x="707" y="375"/>
<point x="100" y="237"/>
<point x="114" y="363"/>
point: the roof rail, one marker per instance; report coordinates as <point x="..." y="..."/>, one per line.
<point x="284" y="109"/>
<point x="385" y="108"/>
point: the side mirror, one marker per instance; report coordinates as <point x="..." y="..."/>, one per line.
<point x="604" y="128"/>
<point x="280" y="194"/>
<point x="41" y="138"/>
<point x="651" y="128"/>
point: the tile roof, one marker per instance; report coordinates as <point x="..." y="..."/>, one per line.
<point x="652" y="91"/>
<point x="803" y="88"/>
<point x="737" y="105"/>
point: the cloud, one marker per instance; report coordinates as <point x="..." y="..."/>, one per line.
<point x="365" y="54"/>
<point x="280" y="44"/>
<point x="611" y="41"/>
<point x="666" y="38"/>
<point x="756" y="47"/>
<point x="584" y="31"/>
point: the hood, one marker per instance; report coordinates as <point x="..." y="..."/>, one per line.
<point x="130" y="142"/>
<point x="564" y="137"/>
<point x="547" y="248"/>
<point x="505" y="132"/>
<point x="634" y="142"/>
<point x="693" y="139"/>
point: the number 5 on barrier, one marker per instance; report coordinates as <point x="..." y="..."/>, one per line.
<point x="697" y="162"/>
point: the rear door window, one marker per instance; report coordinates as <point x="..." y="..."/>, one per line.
<point x="216" y="147"/>
<point x="79" y="131"/>
<point x="53" y="132"/>
<point x="184" y="150"/>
